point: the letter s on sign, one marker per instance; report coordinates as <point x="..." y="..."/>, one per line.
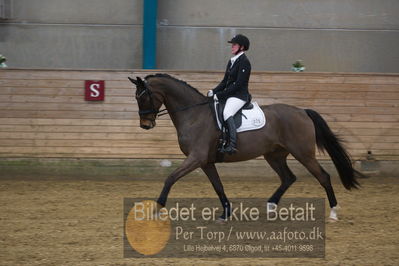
<point x="94" y="90"/>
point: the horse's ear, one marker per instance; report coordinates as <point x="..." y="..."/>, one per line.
<point x="140" y="81"/>
<point x="135" y="82"/>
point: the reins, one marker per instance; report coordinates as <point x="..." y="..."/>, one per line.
<point x="165" y="111"/>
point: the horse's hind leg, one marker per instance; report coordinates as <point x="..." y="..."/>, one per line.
<point x="278" y="161"/>
<point x="324" y="179"/>
<point x="211" y="171"/>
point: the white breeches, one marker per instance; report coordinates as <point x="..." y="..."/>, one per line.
<point x="233" y="104"/>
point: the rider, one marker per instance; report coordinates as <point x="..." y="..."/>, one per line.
<point x="233" y="89"/>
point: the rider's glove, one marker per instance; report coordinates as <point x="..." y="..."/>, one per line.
<point x="210" y="93"/>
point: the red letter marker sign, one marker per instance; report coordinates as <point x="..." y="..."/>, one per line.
<point x="94" y="90"/>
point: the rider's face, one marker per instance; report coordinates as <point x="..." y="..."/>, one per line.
<point x="235" y="48"/>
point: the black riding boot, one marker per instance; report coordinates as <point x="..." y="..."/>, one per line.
<point x="232" y="144"/>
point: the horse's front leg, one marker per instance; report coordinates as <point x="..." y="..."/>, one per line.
<point x="212" y="173"/>
<point x="191" y="163"/>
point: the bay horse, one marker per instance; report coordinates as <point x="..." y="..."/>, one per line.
<point x="289" y="130"/>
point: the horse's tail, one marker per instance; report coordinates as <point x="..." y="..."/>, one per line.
<point x="327" y="140"/>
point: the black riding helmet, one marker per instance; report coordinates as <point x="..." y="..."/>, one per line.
<point x="240" y="40"/>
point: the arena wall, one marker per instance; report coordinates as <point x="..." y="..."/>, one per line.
<point x="73" y="34"/>
<point x="44" y="116"/>
<point x="334" y="35"/>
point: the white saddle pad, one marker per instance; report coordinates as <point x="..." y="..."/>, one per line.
<point x="251" y="120"/>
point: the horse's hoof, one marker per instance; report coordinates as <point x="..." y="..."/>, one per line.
<point x="333" y="214"/>
<point x="220" y="220"/>
<point x="332" y="219"/>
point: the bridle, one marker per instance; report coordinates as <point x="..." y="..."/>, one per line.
<point x="147" y="91"/>
<point x="152" y="110"/>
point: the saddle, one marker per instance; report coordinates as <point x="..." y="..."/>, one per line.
<point x="237" y="117"/>
<point x="249" y="117"/>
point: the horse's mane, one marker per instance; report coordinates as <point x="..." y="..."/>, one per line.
<point x="163" y="75"/>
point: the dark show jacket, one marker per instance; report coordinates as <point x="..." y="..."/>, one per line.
<point x="235" y="81"/>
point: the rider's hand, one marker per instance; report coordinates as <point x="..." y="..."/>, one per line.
<point x="210" y="93"/>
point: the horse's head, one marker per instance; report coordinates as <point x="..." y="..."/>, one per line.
<point x="148" y="103"/>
